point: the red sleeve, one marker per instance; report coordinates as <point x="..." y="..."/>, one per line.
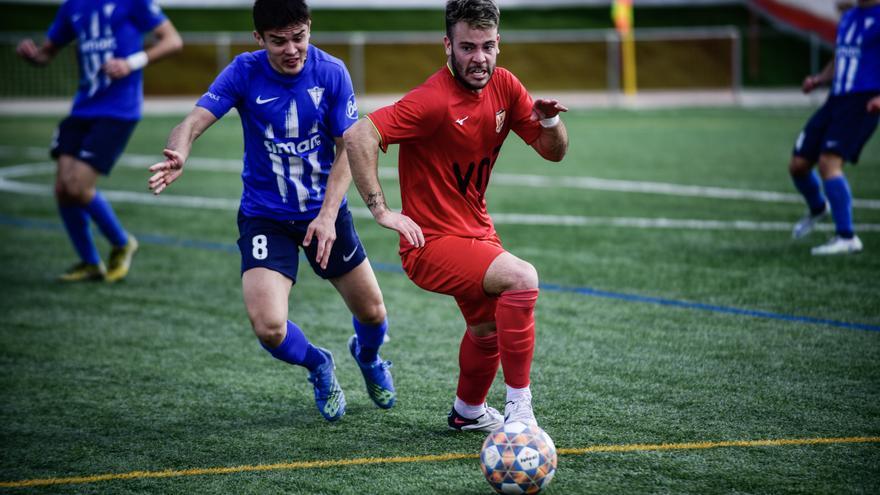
<point x="521" y="110"/>
<point x="415" y="116"/>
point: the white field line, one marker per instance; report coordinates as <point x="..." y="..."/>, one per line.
<point x="500" y="178"/>
<point x="15" y="171"/>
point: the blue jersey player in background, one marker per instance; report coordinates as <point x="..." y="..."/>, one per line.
<point x="107" y="106"/>
<point x="295" y="102"/>
<point x="838" y="131"/>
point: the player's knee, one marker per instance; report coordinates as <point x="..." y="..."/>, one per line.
<point x="61" y="194"/>
<point x="270" y="331"/>
<point x="799" y="166"/>
<point x="830" y="166"/>
<point x="523" y="277"/>
<point x="71" y="191"/>
<point x="372" y="314"/>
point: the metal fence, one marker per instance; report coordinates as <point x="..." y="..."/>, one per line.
<point x="392" y="62"/>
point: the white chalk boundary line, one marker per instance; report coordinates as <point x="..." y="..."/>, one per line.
<point x="500" y="178"/>
<point x="7" y="184"/>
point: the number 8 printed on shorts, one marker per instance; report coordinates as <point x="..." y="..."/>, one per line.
<point x="261" y="248"/>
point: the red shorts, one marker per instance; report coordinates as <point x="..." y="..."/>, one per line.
<point x="456" y="266"/>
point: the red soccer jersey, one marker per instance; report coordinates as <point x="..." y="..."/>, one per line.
<point x="449" y="140"/>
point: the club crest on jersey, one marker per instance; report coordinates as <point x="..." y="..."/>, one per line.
<point x="499" y="120"/>
<point x="316" y="93"/>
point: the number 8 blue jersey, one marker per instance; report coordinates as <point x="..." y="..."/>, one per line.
<point x="289" y="125"/>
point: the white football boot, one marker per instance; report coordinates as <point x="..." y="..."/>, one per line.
<point x="806" y="224"/>
<point x="489" y="421"/>
<point x="520" y="410"/>
<point x="838" y="245"/>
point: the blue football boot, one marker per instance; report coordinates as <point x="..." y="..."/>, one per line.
<point x="380" y="386"/>
<point x="328" y="394"/>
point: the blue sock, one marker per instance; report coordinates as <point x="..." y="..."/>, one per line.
<point x="811" y="190"/>
<point x="370" y="338"/>
<point x="296" y="349"/>
<point x="840" y="198"/>
<point x="76" y="222"/>
<point x="102" y="213"/>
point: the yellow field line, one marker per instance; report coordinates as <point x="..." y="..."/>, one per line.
<point x="169" y="473"/>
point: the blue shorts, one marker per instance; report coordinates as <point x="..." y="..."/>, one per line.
<point x="841" y="126"/>
<point x="275" y="244"/>
<point x="96" y="141"/>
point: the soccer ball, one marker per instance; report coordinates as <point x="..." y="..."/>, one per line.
<point x="518" y="458"/>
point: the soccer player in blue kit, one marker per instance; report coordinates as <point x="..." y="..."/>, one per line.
<point x="295" y="101"/>
<point x="838" y="131"/>
<point x="106" y="109"/>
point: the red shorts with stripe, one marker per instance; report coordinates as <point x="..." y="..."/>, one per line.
<point x="456" y="266"/>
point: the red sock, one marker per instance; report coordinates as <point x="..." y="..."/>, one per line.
<point x="478" y="360"/>
<point x="515" y="321"/>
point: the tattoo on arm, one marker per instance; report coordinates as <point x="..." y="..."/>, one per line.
<point x="375" y="200"/>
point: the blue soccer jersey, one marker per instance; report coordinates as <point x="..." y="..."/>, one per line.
<point x="289" y="125"/>
<point x="106" y="29"/>
<point x="857" y="56"/>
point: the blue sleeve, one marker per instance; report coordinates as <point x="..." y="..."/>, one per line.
<point x="146" y="15"/>
<point x="343" y="107"/>
<point x="227" y="90"/>
<point x="61" y="31"/>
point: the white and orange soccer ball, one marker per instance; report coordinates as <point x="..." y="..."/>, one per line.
<point x="518" y="458"/>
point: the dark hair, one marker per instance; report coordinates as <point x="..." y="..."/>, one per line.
<point x="275" y="14"/>
<point x="479" y="14"/>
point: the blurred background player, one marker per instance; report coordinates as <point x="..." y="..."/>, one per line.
<point x="450" y="131"/>
<point x="295" y="102"/>
<point x="106" y="109"/>
<point x="838" y="131"/>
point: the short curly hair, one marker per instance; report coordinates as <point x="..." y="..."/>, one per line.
<point x="479" y="14"/>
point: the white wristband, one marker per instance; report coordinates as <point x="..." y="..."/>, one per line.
<point x="551" y="122"/>
<point x="137" y="61"/>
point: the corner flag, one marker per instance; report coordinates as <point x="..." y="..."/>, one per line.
<point x="622" y="14"/>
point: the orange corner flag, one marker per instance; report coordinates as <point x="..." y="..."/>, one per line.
<point x="622" y="14"/>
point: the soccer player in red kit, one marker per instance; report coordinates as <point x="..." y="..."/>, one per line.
<point x="450" y="130"/>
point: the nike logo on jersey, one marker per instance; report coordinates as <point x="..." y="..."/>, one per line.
<point x="86" y="154"/>
<point x="351" y="255"/>
<point x="461" y="121"/>
<point x="261" y="101"/>
<point x="830" y="144"/>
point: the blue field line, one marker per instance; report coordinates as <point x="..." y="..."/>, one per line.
<point x="587" y="291"/>
<point x="393" y="268"/>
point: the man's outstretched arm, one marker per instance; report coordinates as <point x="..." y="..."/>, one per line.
<point x="178" y="147"/>
<point x="37" y="55"/>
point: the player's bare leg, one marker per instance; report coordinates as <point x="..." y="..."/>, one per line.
<point x="808" y="184"/>
<point x="74" y="189"/>
<point x="515" y="282"/>
<point x="78" y="202"/>
<point x="265" y="297"/>
<point x="360" y="291"/>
